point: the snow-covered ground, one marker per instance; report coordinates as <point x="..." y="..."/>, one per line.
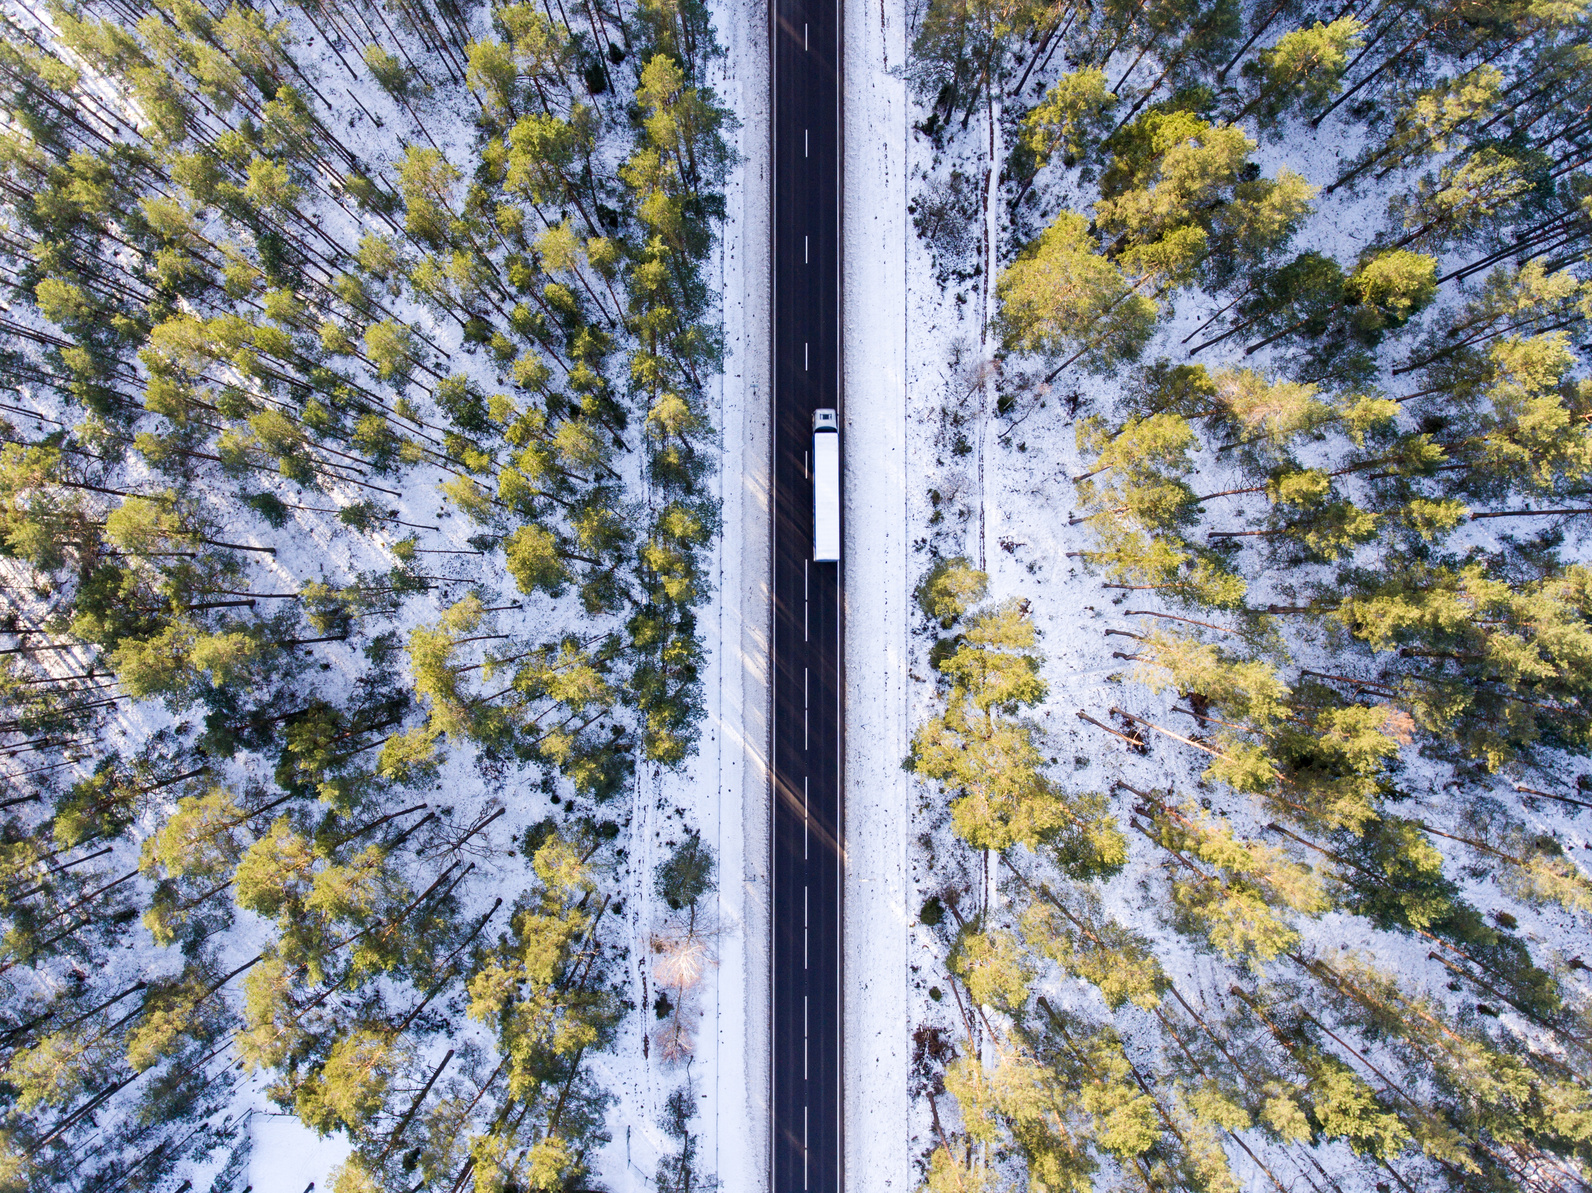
<point x="287" y="1157"/>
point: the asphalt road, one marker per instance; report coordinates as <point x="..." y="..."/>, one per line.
<point x="806" y="1006"/>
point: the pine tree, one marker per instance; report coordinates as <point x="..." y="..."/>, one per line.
<point x="1062" y="300"/>
<point x="1304" y="68"/>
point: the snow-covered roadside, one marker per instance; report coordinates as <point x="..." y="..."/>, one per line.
<point x="877" y="591"/>
<point x="739" y="1141"/>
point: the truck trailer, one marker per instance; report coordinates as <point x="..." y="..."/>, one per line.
<point x="826" y="487"/>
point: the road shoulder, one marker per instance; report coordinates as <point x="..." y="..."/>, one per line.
<point x="741" y="1142"/>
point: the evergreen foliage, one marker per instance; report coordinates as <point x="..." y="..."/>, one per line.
<point x="1347" y="509"/>
<point x="265" y="290"/>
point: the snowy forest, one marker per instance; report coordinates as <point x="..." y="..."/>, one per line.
<point x="1252" y="758"/>
<point x="354" y="497"/>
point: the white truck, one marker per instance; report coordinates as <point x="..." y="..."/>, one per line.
<point x="826" y="487"/>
